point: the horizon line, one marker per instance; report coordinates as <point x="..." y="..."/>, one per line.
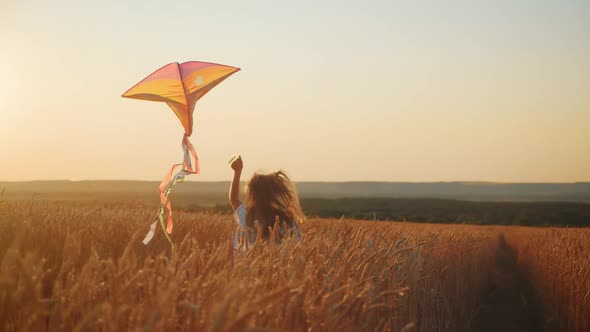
<point x="310" y="181"/>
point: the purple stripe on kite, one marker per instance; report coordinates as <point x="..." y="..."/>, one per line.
<point x="168" y="72"/>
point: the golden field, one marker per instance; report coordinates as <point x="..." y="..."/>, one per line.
<point x="557" y="263"/>
<point x="82" y="267"/>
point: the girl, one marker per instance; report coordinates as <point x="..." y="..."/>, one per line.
<point x="271" y="198"/>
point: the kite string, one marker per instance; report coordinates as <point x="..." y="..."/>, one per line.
<point x="166" y="187"/>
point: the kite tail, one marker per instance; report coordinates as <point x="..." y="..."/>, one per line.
<point x="166" y="187"/>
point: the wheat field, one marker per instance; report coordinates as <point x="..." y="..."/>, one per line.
<point x="82" y="267"/>
<point x="557" y="262"/>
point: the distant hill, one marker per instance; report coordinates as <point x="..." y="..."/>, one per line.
<point x="474" y="191"/>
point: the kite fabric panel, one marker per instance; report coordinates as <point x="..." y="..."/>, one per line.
<point x="180" y="86"/>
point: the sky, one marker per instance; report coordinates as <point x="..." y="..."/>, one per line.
<point x="329" y="90"/>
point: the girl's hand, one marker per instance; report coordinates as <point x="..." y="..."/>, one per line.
<point x="237" y="164"/>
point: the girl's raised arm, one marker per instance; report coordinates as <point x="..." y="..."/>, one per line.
<point x="234" y="189"/>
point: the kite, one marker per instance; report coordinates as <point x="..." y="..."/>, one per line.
<point x="180" y="86"/>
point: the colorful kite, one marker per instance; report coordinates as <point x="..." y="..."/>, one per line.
<point x="180" y="86"/>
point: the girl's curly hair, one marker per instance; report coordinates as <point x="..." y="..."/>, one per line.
<point x="272" y="197"/>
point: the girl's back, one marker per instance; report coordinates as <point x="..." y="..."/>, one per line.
<point x="271" y="200"/>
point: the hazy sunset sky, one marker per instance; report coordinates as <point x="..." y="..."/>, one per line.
<point x="329" y="90"/>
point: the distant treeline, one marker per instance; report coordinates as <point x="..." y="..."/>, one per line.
<point x="453" y="211"/>
<point x="475" y="191"/>
<point x="398" y="209"/>
<point x="446" y="211"/>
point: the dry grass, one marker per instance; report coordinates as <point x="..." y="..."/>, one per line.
<point x="557" y="263"/>
<point x="83" y="268"/>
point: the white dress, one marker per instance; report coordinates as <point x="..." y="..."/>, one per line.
<point x="242" y="230"/>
